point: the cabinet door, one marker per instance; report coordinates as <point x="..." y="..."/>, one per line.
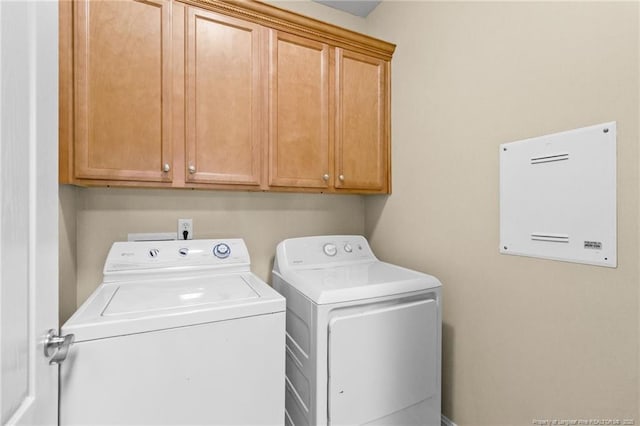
<point x="224" y="92"/>
<point x="299" y="112"/>
<point x="362" y="122"/>
<point x="122" y="90"/>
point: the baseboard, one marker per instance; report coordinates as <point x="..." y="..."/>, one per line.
<point x="444" y="421"/>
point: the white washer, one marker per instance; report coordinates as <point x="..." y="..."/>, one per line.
<point x="363" y="336"/>
<point x="179" y="332"/>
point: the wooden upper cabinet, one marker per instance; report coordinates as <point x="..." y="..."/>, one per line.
<point x="362" y="122"/>
<point x="224" y="94"/>
<point x="298" y="112"/>
<point x="223" y="99"/>
<point x="122" y="116"/>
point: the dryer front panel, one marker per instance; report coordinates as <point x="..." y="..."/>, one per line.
<point x="382" y="360"/>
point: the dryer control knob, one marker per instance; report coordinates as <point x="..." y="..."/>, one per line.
<point x="348" y="248"/>
<point x="221" y="251"/>
<point x="330" y="249"/>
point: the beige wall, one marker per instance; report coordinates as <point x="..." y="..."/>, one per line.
<point x="524" y="338"/>
<point x="67" y="288"/>
<point x="322" y="13"/>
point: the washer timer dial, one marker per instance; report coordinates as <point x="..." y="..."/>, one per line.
<point x="330" y="249"/>
<point x="221" y="251"/>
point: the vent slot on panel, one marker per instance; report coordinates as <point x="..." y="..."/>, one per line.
<point x="550" y="238"/>
<point x="549" y="158"/>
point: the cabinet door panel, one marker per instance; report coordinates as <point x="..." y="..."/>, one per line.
<point x="224" y="92"/>
<point x="299" y="112"/>
<point x="122" y="90"/>
<point x="361" y="122"/>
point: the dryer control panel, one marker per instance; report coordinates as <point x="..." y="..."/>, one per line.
<point x="322" y="250"/>
<point x="149" y="256"/>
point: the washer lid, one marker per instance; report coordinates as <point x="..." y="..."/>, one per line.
<point x="149" y="296"/>
<point x="357" y="281"/>
<point x="121" y="308"/>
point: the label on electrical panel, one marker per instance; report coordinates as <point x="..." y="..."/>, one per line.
<point x="594" y="245"/>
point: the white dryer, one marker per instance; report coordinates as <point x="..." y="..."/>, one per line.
<point x="179" y="332"/>
<point x="363" y="336"/>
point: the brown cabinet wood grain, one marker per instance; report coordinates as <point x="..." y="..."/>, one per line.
<point x="221" y="94"/>
<point x="299" y="112"/>
<point x="336" y="139"/>
<point x="224" y="99"/>
<point x="122" y="90"/>
<point x="361" y="122"/>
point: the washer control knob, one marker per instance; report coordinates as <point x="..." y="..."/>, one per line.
<point x="183" y="251"/>
<point x="348" y="248"/>
<point x="330" y="249"/>
<point x="221" y="251"/>
<point x="154" y="252"/>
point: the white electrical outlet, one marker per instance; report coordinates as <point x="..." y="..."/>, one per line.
<point x="185" y="225"/>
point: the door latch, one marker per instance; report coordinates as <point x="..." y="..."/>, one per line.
<point x="58" y="346"/>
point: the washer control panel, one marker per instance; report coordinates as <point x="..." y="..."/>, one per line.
<point x="321" y="250"/>
<point x="142" y="256"/>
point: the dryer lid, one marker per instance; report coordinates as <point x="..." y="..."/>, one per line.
<point x="121" y="308"/>
<point x="357" y="282"/>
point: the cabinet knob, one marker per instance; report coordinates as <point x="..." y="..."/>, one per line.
<point x="192" y="169"/>
<point x="166" y="167"/>
<point x="325" y="177"/>
<point x="341" y="177"/>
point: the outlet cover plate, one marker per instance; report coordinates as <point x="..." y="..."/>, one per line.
<point x="185" y="225"/>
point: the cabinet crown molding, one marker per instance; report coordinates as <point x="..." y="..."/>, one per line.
<point x="280" y="19"/>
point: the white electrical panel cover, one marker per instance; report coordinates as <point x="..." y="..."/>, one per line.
<point x="558" y="196"/>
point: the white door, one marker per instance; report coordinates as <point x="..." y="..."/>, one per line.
<point x="28" y="209"/>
